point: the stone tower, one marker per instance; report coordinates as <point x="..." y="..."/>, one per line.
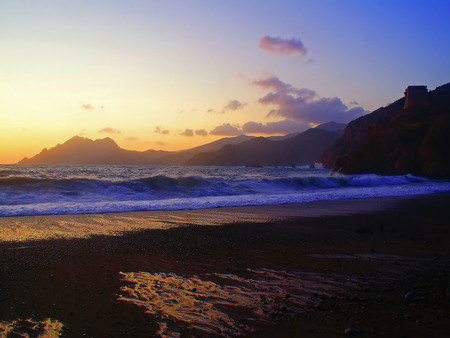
<point x="416" y="95"/>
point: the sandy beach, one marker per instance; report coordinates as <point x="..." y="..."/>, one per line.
<point x="377" y="266"/>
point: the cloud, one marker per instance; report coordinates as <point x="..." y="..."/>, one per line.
<point x="187" y="132"/>
<point x="131" y="138"/>
<point x="201" y="132"/>
<point x="159" y="143"/>
<point x="279" y="127"/>
<point x="212" y="111"/>
<point x="282" y="46"/>
<point x="354" y="102"/>
<point x="87" y="106"/>
<point x="234" y="105"/>
<point x="279" y="87"/>
<point x="304" y="105"/>
<point x="110" y="131"/>
<point x="160" y="130"/>
<point x="226" y="129"/>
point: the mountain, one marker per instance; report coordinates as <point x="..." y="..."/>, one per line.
<point x="79" y="150"/>
<point x="216" y="145"/>
<point x="281" y="138"/>
<point x="181" y="157"/>
<point x="333" y="126"/>
<point x="408" y="136"/>
<point x="303" y="149"/>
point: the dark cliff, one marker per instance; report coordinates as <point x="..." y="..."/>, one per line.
<point x="397" y="140"/>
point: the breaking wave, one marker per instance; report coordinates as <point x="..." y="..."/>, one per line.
<point x="32" y="190"/>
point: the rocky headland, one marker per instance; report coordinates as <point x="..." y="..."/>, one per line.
<point x="408" y="136"/>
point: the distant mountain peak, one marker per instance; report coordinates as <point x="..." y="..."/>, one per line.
<point x="78" y="150"/>
<point x="107" y="141"/>
<point x="332" y="126"/>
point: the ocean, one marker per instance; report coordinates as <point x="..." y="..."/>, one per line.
<point x="81" y="189"/>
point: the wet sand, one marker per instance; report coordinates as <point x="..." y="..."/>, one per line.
<point x="310" y="270"/>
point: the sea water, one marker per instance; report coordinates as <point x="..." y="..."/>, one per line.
<point x="78" y="189"/>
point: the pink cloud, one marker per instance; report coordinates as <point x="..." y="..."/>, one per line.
<point x="110" y="131"/>
<point x="227" y="129"/>
<point x="187" y="132"/>
<point x="279" y="87"/>
<point x="234" y="105"/>
<point x="304" y="104"/>
<point x="282" y="46"/>
<point x="280" y="127"/>
<point x="201" y="132"/>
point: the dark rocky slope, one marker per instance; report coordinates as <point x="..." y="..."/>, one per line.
<point x="397" y="140"/>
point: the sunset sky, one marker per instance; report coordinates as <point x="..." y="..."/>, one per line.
<point x="172" y="75"/>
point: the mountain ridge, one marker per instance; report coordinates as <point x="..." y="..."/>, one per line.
<point x="80" y="150"/>
<point x="303" y="149"/>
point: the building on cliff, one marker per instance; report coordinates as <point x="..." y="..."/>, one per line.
<point x="416" y="95"/>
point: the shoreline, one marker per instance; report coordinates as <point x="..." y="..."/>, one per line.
<point x="68" y="226"/>
<point x="373" y="251"/>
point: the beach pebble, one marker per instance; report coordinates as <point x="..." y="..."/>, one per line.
<point x="417" y="300"/>
<point x="350" y="331"/>
<point x="410" y="296"/>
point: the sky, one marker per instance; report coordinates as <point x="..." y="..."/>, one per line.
<point x="173" y="75"/>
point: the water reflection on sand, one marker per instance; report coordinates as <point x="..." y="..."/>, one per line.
<point x="48" y="328"/>
<point x="226" y="304"/>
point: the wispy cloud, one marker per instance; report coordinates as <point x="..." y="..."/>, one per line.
<point x="87" y="106"/>
<point x="201" y="132"/>
<point x="187" y="132"/>
<point x="131" y="138"/>
<point x="304" y="105"/>
<point x="270" y="128"/>
<point x="109" y="131"/>
<point x="160" y="130"/>
<point x="279" y="87"/>
<point x="234" y="105"/>
<point x="282" y="46"/>
<point x="213" y="111"/>
<point x="227" y="129"/>
<point x="162" y="144"/>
